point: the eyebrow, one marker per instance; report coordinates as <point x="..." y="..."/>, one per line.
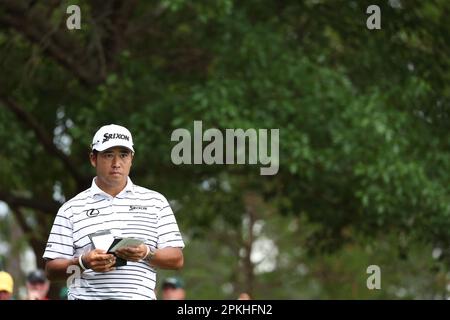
<point x="124" y="150"/>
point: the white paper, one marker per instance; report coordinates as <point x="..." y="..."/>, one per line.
<point x="102" y="241"/>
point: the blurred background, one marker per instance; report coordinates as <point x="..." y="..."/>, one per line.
<point x="364" y="136"/>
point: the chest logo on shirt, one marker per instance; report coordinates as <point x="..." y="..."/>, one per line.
<point x="92" y="212"/>
<point x="137" y="208"/>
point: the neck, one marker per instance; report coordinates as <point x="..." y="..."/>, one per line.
<point x="111" y="189"/>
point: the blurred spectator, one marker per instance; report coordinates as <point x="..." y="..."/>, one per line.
<point x="37" y="285"/>
<point x="244" y="296"/>
<point x="173" y="289"/>
<point x="63" y="293"/>
<point x="6" y="286"/>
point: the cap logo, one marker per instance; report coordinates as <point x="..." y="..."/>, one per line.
<point x="108" y="136"/>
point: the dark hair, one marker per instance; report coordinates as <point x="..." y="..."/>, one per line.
<point x="173" y="282"/>
<point x="37" y="276"/>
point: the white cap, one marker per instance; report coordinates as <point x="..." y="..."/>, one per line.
<point x="112" y="135"/>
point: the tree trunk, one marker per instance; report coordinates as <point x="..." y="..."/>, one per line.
<point x="251" y="202"/>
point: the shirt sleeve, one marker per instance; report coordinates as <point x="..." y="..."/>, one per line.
<point x="60" y="240"/>
<point x="168" y="233"/>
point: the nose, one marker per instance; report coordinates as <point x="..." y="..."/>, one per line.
<point x="116" y="162"/>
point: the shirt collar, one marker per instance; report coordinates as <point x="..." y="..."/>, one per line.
<point x="95" y="190"/>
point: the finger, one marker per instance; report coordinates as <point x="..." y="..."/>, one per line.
<point x="104" y="266"/>
<point x="108" y="262"/>
<point x="99" y="263"/>
<point x="99" y="251"/>
<point x="132" y="258"/>
<point x="102" y="257"/>
<point x="123" y="252"/>
<point x="121" y="255"/>
<point x="130" y="249"/>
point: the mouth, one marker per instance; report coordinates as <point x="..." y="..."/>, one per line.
<point x="115" y="174"/>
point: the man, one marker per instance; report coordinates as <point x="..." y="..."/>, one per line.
<point x="173" y="289"/>
<point x="6" y="286"/>
<point x="37" y="285"/>
<point x="113" y="204"/>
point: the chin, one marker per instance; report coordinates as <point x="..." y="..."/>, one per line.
<point x="116" y="179"/>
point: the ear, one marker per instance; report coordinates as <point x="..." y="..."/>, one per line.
<point x="93" y="159"/>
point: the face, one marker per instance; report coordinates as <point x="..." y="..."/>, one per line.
<point x="5" y="295"/>
<point x="38" y="290"/>
<point x="113" y="166"/>
<point x="244" y="296"/>
<point x="171" y="293"/>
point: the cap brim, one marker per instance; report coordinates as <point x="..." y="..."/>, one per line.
<point x="7" y="289"/>
<point x="107" y="145"/>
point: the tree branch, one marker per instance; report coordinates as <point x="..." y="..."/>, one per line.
<point x="18" y="214"/>
<point x="115" y="35"/>
<point x="56" y="41"/>
<point x="46" y="141"/>
<point x="48" y="207"/>
<point x="113" y="18"/>
<point x="34" y="239"/>
<point x="251" y="203"/>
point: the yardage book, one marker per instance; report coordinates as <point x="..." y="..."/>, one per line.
<point x="106" y="241"/>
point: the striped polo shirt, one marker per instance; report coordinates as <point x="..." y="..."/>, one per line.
<point x="135" y="212"/>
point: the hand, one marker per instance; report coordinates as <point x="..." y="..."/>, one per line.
<point x="99" y="261"/>
<point x="135" y="253"/>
